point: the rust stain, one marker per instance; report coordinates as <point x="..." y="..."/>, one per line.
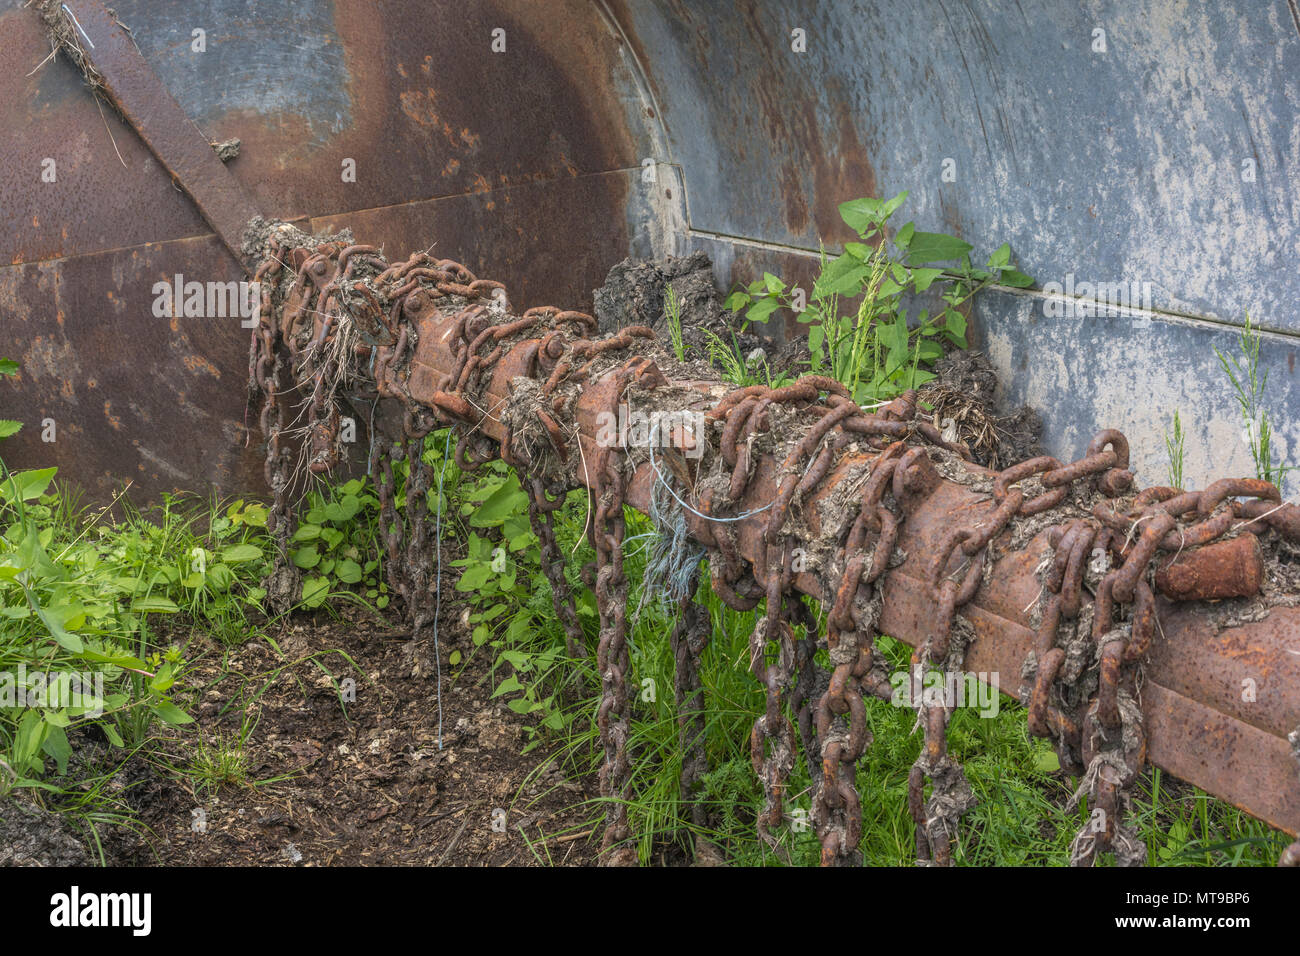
<point x="113" y="420"/>
<point x="197" y="363"/>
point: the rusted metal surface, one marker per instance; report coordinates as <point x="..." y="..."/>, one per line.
<point x="446" y="349"/>
<point x="1021" y="122"/>
<point x="138" y="95"/>
<point x="525" y="163"/>
<point x="1225" y="569"/>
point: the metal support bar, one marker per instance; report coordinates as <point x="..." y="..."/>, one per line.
<point x="137" y="93"/>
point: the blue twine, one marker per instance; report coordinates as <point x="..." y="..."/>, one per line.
<point x="437" y="607"/>
<point x="700" y="514"/>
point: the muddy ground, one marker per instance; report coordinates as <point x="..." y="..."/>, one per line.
<point x="369" y="786"/>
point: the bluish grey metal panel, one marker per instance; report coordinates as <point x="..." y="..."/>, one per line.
<point x="1111" y="141"/>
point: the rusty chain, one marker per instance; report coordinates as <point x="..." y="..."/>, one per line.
<point x="1083" y="673"/>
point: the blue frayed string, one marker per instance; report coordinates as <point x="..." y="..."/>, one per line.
<point x="700" y="514"/>
<point x="437" y="543"/>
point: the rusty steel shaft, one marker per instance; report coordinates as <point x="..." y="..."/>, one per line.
<point x="1202" y="724"/>
<point x="1217" y="700"/>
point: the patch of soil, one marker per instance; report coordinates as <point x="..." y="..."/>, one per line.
<point x="968" y="404"/>
<point x="367" y="787"/>
<point x="635" y="293"/>
<point x="33" y="836"/>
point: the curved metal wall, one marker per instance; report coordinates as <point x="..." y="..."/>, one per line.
<point x="525" y="165"/>
<point x="1109" y="141"/>
<point x="1169" y="157"/>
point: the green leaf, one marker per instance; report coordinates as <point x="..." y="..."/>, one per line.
<point x="115" y="658"/>
<point x="860" y="214"/>
<point x="843" y="276"/>
<point x="255" y="516"/>
<point x="955" y="322"/>
<point x="162" y="681"/>
<point x="9" y="427"/>
<point x="935" y="247"/>
<point x="762" y="310"/>
<point x="220" y="577"/>
<point x="1046" y="761"/>
<point x="736" y="301"/>
<point x="8" y="367"/>
<point x="30" y="484"/>
<point x="28" y="739"/>
<point x="169" y="713"/>
<point x="154" y="603"/>
<point x="1015" y="278"/>
<point x="773" y="284"/>
<point x="306" y="532"/>
<point x="903" y="238"/>
<point x="349" y="572"/>
<point x="507" y="686"/>
<point x="306" y="558"/>
<point x="453" y="658"/>
<point x="891" y="205"/>
<point x="54" y="625"/>
<point x="507" y="500"/>
<point x="239" y="553"/>
<point x="474" y="577"/>
<point x="56" y="745"/>
<point x="314" y="591"/>
<point x="1001" y="256"/>
<point x="924" y="278"/>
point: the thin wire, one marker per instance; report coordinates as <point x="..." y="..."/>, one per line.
<point x="437" y="606"/>
<point x="700" y="514"/>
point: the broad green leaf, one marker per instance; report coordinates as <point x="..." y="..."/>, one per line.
<point x="935" y="247"/>
<point x="924" y="278"/>
<point x="314" y="591"/>
<point x="30" y="484"/>
<point x="169" y="713"/>
<point x="843" y="276"/>
<point x="8" y="367"/>
<point x="891" y="205"/>
<point x="115" y="658"/>
<point x="859" y="214"/>
<point x="306" y="532"/>
<point x="9" y="427"/>
<point x="62" y="636"/>
<point x="762" y="310"/>
<point x="736" y="301"/>
<point x="306" y="558"/>
<point x="507" y="500"/>
<point x="56" y="745"/>
<point x="1001" y="256"/>
<point x="349" y="572"/>
<point x="507" y="686"/>
<point x="1015" y="278"/>
<point x="1046" y="761"/>
<point x="239" y="553"/>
